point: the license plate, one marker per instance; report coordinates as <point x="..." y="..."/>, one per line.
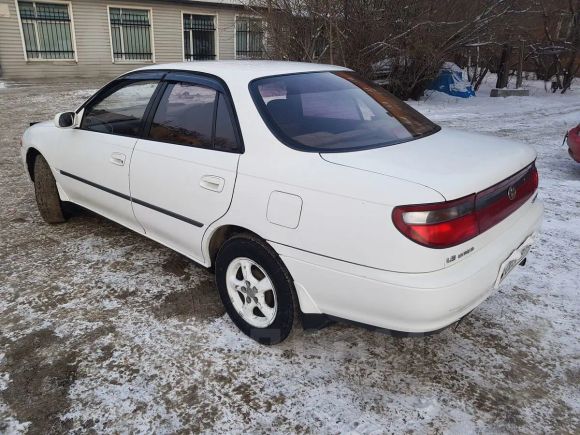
<point x="513" y="260"/>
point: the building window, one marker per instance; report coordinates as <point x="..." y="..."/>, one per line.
<point x="130" y="34"/>
<point x="198" y="37"/>
<point x="249" y="38"/>
<point x="46" y="29"/>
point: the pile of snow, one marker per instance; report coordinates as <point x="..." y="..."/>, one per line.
<point x="452" y="67"/>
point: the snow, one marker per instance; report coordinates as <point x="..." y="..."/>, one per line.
<point x="146" y="365"/>
<point x="452" y="67"/>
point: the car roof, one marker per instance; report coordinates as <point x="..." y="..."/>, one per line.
<point x="245" y="70"/>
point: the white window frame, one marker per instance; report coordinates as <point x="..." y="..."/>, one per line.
<point x="72" y="32"/>
<point x="151" y="34"/>
<point x="215" y="16"/>
<point x="255" y="17"/>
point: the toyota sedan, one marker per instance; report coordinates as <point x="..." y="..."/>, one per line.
<point x="312" y="193"/>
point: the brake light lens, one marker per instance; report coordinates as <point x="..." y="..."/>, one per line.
<point x="438" y="225"/>
<point x="450" y="223"/>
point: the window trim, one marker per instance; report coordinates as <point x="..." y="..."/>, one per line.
<point x="151" y="35"/>
<point x="72" y="31"/>
<point x="215" y="15"/>
<point x="242" y="16"/>
<point x="289" y="142"/>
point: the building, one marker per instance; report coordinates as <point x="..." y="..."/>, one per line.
<point x="89" y="38"/>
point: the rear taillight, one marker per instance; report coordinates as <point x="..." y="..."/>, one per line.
<point x="450" y="223"/>
<point x="438" y="225"/>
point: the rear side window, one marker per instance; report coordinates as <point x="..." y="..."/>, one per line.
<point x="121" y="110"/>
<point x="225" y="136"/>
<point x="194" y="115"/>
<point x="335" y="111"/>
<point x="185" y="116"/>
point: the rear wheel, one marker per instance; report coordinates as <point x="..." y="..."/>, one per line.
<point x="256" y="289"/>
<point x="47" y="199"/>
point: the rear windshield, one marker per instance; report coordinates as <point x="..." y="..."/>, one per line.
<point x="335" y="111"/>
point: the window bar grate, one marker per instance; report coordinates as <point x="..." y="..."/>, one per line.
<point x="131" y="34"/>
<point x="46" y="30"/>
<point x="249" y="39"/>
<point x="199" y="37"/>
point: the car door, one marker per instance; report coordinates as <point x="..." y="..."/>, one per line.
<point x="183" y="172"/>
<point x="94" y="158"/>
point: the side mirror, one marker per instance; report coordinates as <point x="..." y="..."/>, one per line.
<point x="64" y="119"/>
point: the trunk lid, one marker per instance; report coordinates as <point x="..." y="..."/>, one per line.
<point x="455" y="163"/>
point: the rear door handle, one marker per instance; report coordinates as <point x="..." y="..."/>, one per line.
<point x="212" y="182"/>
<point x="118" y="159"/>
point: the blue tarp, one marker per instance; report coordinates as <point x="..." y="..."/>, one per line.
<point x="451" y="82"/>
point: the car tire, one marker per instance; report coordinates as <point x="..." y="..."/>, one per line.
<point x="47" y="199"/>
<point x="267" y="316"/>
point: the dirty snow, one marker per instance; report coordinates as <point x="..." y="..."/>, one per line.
<point x="103" y="330"/>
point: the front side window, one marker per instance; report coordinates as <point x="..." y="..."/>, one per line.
<point x="249" y="38"/>
<point x="46" y="28"/>
<point x="335" y="111"/>
<point x="198" y="37"/>
<point x="194" y="115"/>
<point x="130" y="34"/>
<point x="121" y="110"/>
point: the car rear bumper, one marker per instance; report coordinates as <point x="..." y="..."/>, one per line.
<point x="408" y="302"/>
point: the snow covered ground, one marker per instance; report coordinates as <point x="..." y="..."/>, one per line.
<point x="103" y="330"/>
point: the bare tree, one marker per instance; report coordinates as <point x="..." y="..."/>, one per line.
<point x="558" y="53"/>
<point x="403" y="43"/>
<point x="551" y="31"/>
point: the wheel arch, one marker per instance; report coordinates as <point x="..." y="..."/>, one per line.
<point x="220" y="235"/>
<point x="31" y="155"/>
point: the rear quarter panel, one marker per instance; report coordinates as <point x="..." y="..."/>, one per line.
<point x="345" y="213"/>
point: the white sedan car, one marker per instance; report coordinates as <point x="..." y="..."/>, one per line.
<point x="313" y="193"/>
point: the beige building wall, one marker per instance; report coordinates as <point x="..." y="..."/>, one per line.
<point x="92" y="37"/>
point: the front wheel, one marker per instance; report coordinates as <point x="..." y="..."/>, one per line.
<point x="46" y="192"/>
<point x="256" y="289"/>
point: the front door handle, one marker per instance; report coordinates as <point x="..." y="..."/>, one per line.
<point x="118" y="159"/>
<point x="212" y="182"/>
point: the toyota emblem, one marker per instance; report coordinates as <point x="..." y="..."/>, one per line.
<point x="512" y="193"/>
